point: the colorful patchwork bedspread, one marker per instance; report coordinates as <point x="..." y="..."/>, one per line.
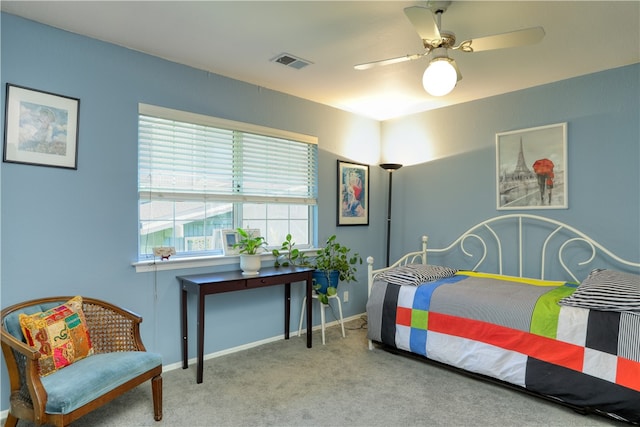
<point x="514" y="330"/>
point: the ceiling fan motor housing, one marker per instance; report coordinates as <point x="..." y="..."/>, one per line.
<point x="447" y="40"/>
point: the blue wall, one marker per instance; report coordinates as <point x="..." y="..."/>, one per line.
<point x="454" y="186"/>
<point x="67" y="232"/>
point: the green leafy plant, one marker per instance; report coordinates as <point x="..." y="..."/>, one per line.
<point x="289" y="255"/>
<point x="249" y="244"/>
<point x="335" y="257"/>
<point x="332" y="257"/>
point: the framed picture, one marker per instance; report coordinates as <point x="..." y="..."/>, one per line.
<point x="353" y="194"/>
<point x="40" y="128"/>
<point x="229" y="238"/>
<point x="531" y="168"/>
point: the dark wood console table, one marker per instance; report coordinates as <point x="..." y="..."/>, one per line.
<point x="229" y="281"/>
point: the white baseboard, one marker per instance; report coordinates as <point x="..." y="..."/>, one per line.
<point x="194" y="360"/>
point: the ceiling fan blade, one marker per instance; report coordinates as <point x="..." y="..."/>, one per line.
<point x="501" y="41"/>
<point x="424" y="22"/>
<point x="389" y="61"/>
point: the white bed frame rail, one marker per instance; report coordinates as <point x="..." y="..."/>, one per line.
<point x="485" y="234"/>
<point x="486" y="230"/>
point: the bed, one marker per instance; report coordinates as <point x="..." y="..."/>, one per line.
<point x="486" y="305"/>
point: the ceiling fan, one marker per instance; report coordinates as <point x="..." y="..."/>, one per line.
<point x="442" y="74"/>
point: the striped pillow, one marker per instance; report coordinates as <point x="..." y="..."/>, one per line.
<point x="415" y="274"/>
<point x="607" y="290"/>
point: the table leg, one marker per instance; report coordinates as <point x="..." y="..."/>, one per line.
<point x="309" y="310"/>
<point x="287" y="309"/>
<point x="185" y="347"/>
<point x="200" y="337"/>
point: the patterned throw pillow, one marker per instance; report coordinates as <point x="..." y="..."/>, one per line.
<point x="59" y="334"/>
<point x="607" y="290"/>
<point x="415" y="274"/>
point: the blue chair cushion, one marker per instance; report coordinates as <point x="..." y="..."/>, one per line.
<point x="89" y="378"/>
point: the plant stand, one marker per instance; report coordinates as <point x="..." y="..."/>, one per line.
<point x="322" y="314"/>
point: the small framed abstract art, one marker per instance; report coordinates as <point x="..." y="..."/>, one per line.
<point x="229" y="238"/>
<point x="353" y="193"/>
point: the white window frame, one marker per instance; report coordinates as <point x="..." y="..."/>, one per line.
<point x="187" y="261"/>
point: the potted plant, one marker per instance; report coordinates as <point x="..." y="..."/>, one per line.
<point x="250" y="248"/>
<point x="333" y="263"/>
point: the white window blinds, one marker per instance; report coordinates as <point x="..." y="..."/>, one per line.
<point x="184" y="156"/>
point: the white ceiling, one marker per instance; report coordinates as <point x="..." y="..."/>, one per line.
<point x="239" y="39"/>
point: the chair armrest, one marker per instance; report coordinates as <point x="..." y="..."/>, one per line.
<point x="112" y="328"/>
<point x="19" y="346"/>
<point x="13" y="350"/>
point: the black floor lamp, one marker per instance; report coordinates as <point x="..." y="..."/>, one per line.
<point x="389" y="167"/>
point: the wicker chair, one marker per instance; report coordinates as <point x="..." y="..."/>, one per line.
<point x="119" y="363"/>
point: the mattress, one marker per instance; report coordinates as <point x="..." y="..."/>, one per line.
<point x="516" y="330"/>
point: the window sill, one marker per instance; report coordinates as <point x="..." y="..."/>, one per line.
<point x="196" y="262"/>
<point x="188" y="262"/>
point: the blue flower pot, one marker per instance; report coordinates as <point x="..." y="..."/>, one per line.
<point x="320" y="277"/>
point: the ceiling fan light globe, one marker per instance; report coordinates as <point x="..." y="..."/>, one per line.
<point x="440" y="77"/>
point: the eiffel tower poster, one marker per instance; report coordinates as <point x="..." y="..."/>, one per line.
<point x="531" y="168"/>
<point x="521" y="171"/>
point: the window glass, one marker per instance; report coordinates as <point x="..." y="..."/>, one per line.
<point x="199" y="175"/>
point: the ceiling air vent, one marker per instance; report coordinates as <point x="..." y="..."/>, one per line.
<point x="291" y="61"/>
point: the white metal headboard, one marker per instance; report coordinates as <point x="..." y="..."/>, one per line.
<point x="485" y="232"/>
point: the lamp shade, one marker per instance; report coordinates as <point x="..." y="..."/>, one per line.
<point x="390" y="167"/>
<point x="440" y="77"/>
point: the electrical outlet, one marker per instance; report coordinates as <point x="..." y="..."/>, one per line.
<point x="345" y="296"/>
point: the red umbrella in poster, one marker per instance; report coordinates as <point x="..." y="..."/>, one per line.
<point x="543" y="167"/>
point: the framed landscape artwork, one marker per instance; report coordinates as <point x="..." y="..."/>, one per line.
<point x="531" y="168"/>
<point x="41" y="128"/>
<point x="353" y="193"/>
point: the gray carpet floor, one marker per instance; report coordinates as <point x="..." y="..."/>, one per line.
<point x="339" y="384"/>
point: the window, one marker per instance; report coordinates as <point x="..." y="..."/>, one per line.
<point x="198" y="175"/>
